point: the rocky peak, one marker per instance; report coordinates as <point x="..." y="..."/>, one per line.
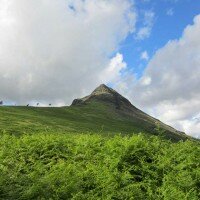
<point x="107" y="95"/>
<point x="102" y="89"/>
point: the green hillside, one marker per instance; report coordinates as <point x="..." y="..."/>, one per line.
<point x="94" y="117"/>
<point x="104" y="111"/>
<point x="99" y="148"/>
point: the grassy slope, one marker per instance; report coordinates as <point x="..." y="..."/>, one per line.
<point x="52" y="165"/>
<point x="94" y="117"/>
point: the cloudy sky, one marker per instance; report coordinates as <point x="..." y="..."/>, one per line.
<point x="55" y="51"/>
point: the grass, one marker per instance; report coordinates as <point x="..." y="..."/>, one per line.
<point x="94" y="167"/>
<point x="93" y="117"/>
<point x="92" y="152"/>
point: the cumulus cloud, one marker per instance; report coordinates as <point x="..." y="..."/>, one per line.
<point x="113" y="72"/>
<point x="148" y="22"/>
<point x="169" y="88"/>
<point x="53" y="51"/>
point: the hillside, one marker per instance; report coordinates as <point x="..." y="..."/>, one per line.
<point x="91" y="150"/>
<point x="104" y="111"/>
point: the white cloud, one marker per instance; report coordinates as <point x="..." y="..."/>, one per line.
<point x="113" y="72"/>
<point x="144" y="56"/>
<point x="173" y="93"/>
<point x="170" y="12"/>
<point x="53" y="51"/>
<point x="145" y="31"/>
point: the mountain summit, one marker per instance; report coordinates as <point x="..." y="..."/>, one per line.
<point x="121" y="108"/>
<point x="102" y="89"/>
<point x="105" y="94"/>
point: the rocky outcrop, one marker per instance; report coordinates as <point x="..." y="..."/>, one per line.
<point x="105" y="94"/>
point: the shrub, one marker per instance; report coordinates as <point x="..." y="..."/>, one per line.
<point x="68" y="166"/>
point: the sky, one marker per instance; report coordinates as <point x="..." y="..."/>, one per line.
<point x="148" y="50"/>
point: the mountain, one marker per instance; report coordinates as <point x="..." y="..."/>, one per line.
<point x="122" y="106"/>
<point x="104" y="112"/>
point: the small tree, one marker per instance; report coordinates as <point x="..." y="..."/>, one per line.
<point x="1" y="103"/>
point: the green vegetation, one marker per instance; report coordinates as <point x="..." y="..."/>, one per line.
<point x="50" y="153"/>
<point x="92" y="166"/>
<point x="95" y="117"/>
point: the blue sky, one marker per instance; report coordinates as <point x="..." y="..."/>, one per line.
<point x="170" y="19"/>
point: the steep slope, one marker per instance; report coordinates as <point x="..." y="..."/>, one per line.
<point x="103" y="112"/>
